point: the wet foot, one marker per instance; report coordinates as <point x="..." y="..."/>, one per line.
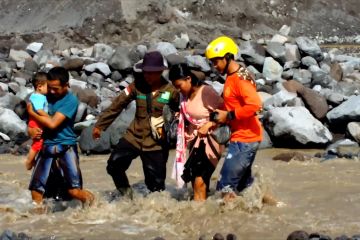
<point x="271" y="200"/>
<point x="122" y="193"/>
<point x="90" y="199"/>
<point x="39" y="209"/>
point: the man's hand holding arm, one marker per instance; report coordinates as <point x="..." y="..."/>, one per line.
<point x="45" y="120"/>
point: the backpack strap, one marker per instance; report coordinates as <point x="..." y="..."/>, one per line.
<point x="148" y="103"/>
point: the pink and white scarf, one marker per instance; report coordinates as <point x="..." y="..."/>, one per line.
<point x="180" y="157"/>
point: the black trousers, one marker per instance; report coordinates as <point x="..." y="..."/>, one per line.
<point x="154" y="165"/>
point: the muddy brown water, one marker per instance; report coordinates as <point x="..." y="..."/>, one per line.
<point x="319" y="196"/>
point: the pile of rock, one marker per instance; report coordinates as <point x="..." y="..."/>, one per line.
<point x="309" y="96"/>
<point x="302" y="235"/>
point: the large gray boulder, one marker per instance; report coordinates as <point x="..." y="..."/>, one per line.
<point x="310" y="48"/>
<point x="277" y="51"/>
<point x="253" y="53"/>
<point x="165" y="48"/>
<point x="118" y="128"/>
<point x="272" y="70"/>
<point x="11" y="124"/>
<point x="99" y="66"/>
<point x="354" y="130"/>
<point x="292" y="53"/>
<point x="302" y="75"/>
<point x="102" y="52"/>
<point x="89" y="145"/>
<point x="296" y="123"/>
<point x="346" y="112"/>
<point x="280" y="99"/>
<point x="9" y="100"/>
<point x="120" y="60"/>
<point x="198" y="61"/>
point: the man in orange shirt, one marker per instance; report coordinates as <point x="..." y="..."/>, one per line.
<point x="242" y="104"/>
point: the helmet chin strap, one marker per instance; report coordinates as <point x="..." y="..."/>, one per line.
<point x="226" y="66"/>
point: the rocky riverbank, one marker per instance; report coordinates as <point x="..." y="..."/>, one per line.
<point x="310" y="95"/>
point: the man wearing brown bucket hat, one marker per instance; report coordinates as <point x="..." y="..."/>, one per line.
<point x="151" y="93"/>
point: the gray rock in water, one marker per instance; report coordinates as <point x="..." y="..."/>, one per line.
<point x="218" y="236"/>
<point x="8" y="235"/>
<point x="298" y="124"/>
<point x="344" y="148"/>
<point x="290" y="156"/>
<point x="345" y="112"/>
<point x="310" y="48"/>
<point x="231" y="236"/>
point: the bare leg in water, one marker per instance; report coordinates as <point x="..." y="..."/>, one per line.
<point x="199" y="187"/>
<point x="84" y="196"/>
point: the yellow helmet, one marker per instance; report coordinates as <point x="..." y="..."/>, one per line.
<point x="221" y="46"/>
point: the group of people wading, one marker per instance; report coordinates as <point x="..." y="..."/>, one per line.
<point x="52" y="127"/>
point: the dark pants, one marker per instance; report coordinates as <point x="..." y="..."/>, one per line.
<point x="154" y="165"/>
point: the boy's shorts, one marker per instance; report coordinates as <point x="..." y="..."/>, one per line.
<point x="37" y="143"/>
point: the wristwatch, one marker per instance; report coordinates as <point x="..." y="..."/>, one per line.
<point x="230" y="115"/>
